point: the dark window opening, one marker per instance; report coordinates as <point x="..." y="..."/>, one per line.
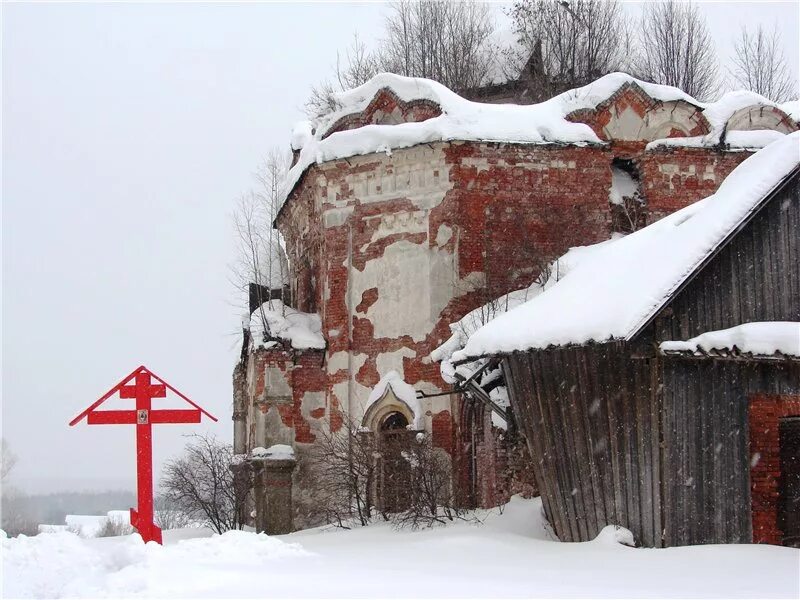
<point x="628" y="205"/>
<point x="394" y="421"/>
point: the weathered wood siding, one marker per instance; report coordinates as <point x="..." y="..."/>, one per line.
<point x="706" y="457"/>
<point x="755" y="277"/>
<point x="593" y="431"/>
<point x="706" y="463"/>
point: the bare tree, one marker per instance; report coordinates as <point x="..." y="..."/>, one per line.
<point x="7" y="460"/>
<point x="444" y="40"/>
<point x="430" y="489"/>
<point x="562" y="45"/>
<point x="15" y="511"/>
<point x="676" y="48"/>
<point x="355" y="66"/>
<point x="344" y="468"/>
<point x="201" y="484"/>
<point x="260" y="256"/>
<point x="167" y="515"/>
<point x="759" y="64"/>
<point x="449" y="42"/>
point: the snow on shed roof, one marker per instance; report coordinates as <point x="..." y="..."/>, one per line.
<point x="758" y="339"/>
<point x="613" y="292"/>
<point x="463" y="119"/>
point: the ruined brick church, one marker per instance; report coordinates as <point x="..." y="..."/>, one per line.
<point x="408" y="207"/>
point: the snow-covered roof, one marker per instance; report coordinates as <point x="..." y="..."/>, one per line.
<point x="760" y="338"/>
<point x="462" y="119"/>
<point x="614" y="291"/>
<point x="462" y="329"/>
<point x="302" y="330"/>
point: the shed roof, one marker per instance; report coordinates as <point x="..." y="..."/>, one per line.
<point x="615" y="291"/>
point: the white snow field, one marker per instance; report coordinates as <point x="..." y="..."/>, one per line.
<point x="509" y="555"/>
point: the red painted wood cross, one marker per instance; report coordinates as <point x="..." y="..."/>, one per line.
<point x="139" y="386"/>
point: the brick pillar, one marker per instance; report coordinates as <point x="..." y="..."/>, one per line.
<point x="241" y="490"/>
<point x="272" y="476"/>
<point x="765" y="468"/>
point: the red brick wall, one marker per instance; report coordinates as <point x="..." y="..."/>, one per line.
<point x="765" y="472"/>
<point x="676" y="177"/>
<point x="305" y="372"/>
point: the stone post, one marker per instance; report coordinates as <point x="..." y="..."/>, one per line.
<point x="272" y="470"/>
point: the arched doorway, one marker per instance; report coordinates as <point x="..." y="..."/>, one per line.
<point x="389" y="420"/>
<point x="394" y="472"/>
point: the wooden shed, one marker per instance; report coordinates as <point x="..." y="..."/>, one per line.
<point x="681" y="437"/>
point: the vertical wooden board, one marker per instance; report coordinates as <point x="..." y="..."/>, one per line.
<point x="716" y="505"/>
<point x="550" y="455"/>
<point x="763" y="234"/>
<point x="615" y="442"/>
<point x="593" y="391"/>
<point x="668" y="417"/>
<point x="584" y="466"/>
<point x="655" y="448"/>
<point x="628" y="457"/>
<point x="645" y="500"/>
<point x="683" y="463"/>
<point x="735" y="295"/>
<point x="523" y="370"/>
<point x="518" y="377"/>
<point x="580" y="492"/>
<point x="570" y="473"/>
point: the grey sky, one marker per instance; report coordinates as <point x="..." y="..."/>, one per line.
<point x="128" y="131"/>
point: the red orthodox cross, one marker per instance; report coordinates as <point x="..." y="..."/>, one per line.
<point x="139" y="386"/>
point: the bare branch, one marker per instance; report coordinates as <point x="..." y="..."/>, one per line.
<point x="759" y="64"/>
<point x="676" y="48"/>
<point x="562" y="45"/>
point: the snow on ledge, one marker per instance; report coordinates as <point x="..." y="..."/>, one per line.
<point x="759" y="338"/>
<point x="302" y="330"/>
<point x="404" y="392"/>
<point x="274" y="452"/>
<point x="734" y="140"/>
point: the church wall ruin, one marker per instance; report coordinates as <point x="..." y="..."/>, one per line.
<point x="390" y="248"/>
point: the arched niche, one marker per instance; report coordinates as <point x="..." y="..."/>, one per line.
<point x="631" y="115"/>
<point x="387" y="412"/>
<point x="386" y="108"/>
<point x="760" y="116"/>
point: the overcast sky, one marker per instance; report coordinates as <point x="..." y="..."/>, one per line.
<point x="128" y="131"/>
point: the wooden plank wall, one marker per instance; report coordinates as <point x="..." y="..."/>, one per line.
<point x="706" y="462"/>
<point x="588" y="415"/>
<point x="756" y="277"/>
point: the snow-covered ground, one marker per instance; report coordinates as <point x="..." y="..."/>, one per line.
<point x="509" y="555"/>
